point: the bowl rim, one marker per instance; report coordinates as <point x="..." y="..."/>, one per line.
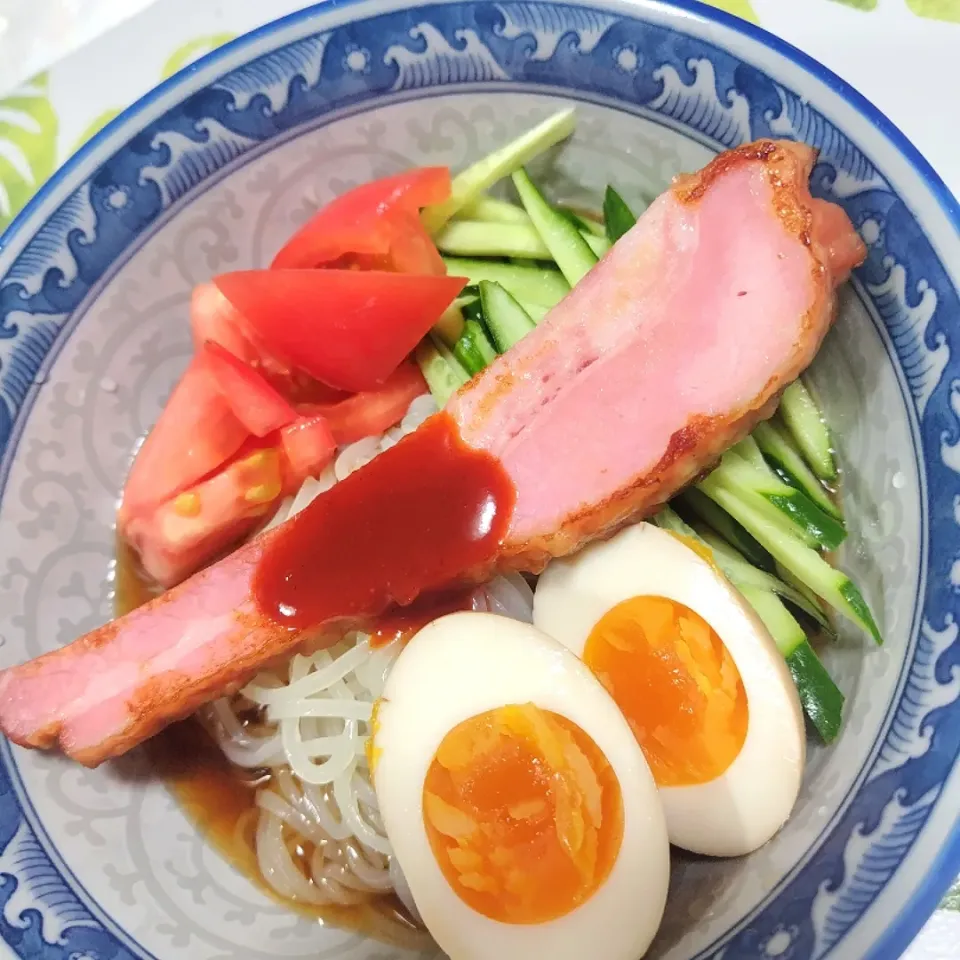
<point x="922" y="903"/>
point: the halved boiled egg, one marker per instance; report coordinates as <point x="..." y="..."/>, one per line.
<point x="517" y="801"/>
<point x="697" y="676"/>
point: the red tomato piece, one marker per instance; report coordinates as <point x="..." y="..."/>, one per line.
<point x="197" y="431"/>
<point x="178" y="536"/>
<point x="371" y="412"/>
<point x="256" y="404"/>
<point x="361" y="221"/>
<point x="213" y="319"/>
<point x="413" y="249"/>
<point x="308" y="445"/>
<point x="347" y="328"/>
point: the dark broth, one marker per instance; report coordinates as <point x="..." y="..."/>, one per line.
<point x="219" y="799"/>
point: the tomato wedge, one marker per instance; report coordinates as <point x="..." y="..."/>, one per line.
<point x="308" y="445"/>
<point x="213" y="319"/>
<point x="349" y="329"/>
<point x="196" y="432"/>
<point x="256" y="404"/>
<point x="363" y="222"/>
<point x="369" y="413"/>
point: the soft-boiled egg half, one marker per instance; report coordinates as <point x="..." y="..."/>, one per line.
<point x="697" y="676"/>
<point x="517" y="801"/>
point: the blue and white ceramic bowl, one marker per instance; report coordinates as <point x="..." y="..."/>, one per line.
<point x="212" y="171"/>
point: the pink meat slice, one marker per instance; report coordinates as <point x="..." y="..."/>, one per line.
<point x="664" y="355"/>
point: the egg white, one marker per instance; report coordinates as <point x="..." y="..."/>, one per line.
<point x="747" y="804"/>
<point x="465" y="664"/>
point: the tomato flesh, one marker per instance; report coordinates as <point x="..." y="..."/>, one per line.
<point x="371" y="412"/>
<point x="256" y="404"/>
<point x="349" y="329"/>
<point x="364" y="221"/>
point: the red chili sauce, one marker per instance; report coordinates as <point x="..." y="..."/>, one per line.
<point x="416" y="520"/>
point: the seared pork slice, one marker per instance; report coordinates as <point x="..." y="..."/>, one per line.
<point x="665" y="354"/>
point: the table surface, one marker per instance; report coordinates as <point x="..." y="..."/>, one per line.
<point x="51" y="49"/>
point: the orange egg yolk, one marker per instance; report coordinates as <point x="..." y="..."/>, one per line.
<point x="523" y="813"/>
<point x="676" y="684"/>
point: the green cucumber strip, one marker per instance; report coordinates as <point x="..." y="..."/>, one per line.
<point x="493" y="210"/>
<point x="564" y="241"/>
<point x="442" y="380"/>
<point x="534" y="310"/>
<point x="791" y="467"/>
<point x="820" y="697"/>
<point x="809" y="430"/>
<point x="807" y="565"/>
<point x="618" y="218"/>
<point x="480" y="176"/>
<point x="506" y="320"/>
<point x="473" y="349"/>
<point x="803" y="598"/>
<point x="478" y="238"/>
<point x="450" y="325"/>
<point x="583" y="224"/>
<point x="702" y="506"/>
<point x="459" y="372"/>
<point x="749" y="450"/>
<point x="817" y="527"/>
<point x="599" y="245"/>
<point x="735" y="568"/>
<point x="539" y="285"/>
<point x="742" y="573"/>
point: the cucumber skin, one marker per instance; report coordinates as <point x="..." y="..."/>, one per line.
<point x="731" y="530"/>
<point x="573" y="255"/>
<point x="792" y="468"/>
<point x="543" y="286"/>
<point x="821" y="698"/>
<point x="809" y="430"/>
<point x="831" y="584"/>
<point x="506" y="320"/>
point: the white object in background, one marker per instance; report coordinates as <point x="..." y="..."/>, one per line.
<point x="36" y="33"/>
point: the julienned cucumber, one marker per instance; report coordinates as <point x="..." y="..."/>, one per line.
<point x="792" y="507"/>
<point x="742" y="573"/>
<point x="703" y="507"/>
<point x="493" y="210"/>
<point x="808" y="428"/>
<point x="473" y="349"/>
<point x="539" y="285"/>
<point x="617" y="216"/>
<point x="583" y="224"/>
<point x="450" y="325"/>
<point x="480" y="238"/>
<point x="573" y="255"/>
<point x="807" y="565"/>
<point x="791" y="467"/>
<point x="507" y="321"/>
<point x="483" y="174"/>
<point x="820" y="697"/>
<point x="442" y="378"/>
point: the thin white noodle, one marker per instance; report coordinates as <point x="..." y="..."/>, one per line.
<point x="277" y="866"/>
<point x="341" y="709"/>
<point x="340" y="758"/>
<point x="350" y="811"/>
<point x="335" y="891"/>
<point x="268" y="800"/>
<point x="310" y="683"/>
